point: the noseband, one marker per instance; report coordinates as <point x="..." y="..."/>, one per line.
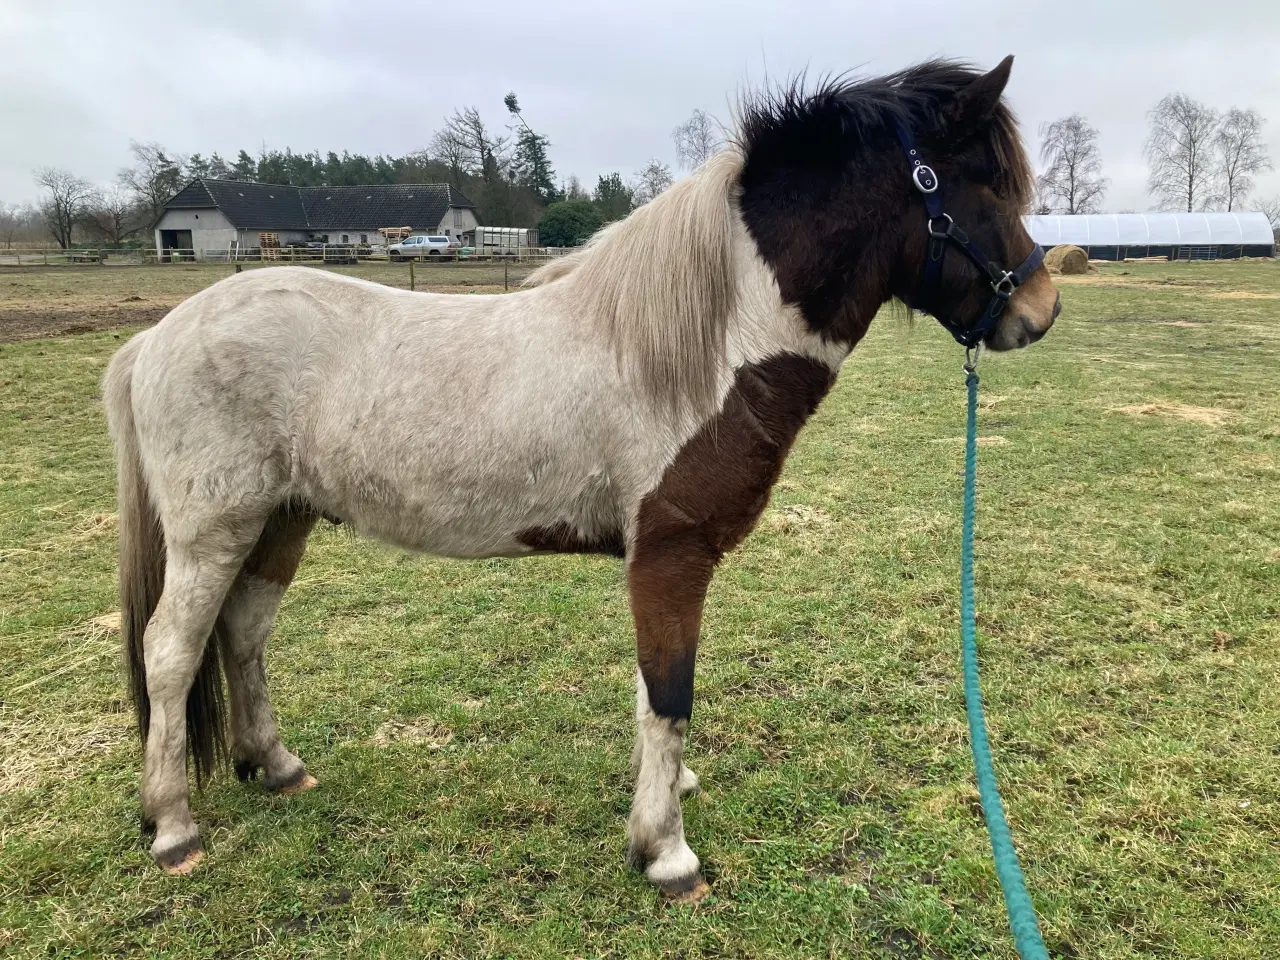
<point x="943" y="230"/>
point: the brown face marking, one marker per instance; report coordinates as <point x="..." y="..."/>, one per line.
<point x="708" y="501"/>
<point x="562" y="538"/>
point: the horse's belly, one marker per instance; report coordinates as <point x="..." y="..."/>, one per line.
<point x="478" y="507"/>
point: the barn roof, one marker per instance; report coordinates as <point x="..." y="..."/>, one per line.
<point x="419" y="205"/>
<point x="273" y="206"/>
<point x="1150" y="229"/>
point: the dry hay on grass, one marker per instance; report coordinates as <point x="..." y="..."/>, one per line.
<point x="424" y="732"/>
<point x="1067" y="259"/>
<point x="35" y="745"/>
<point x="1206" y="416"/>
<point x="797" y="516"/>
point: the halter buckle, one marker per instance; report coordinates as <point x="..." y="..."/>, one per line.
<point x="924" y="178"/>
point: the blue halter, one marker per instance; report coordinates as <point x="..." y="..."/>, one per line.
<point x="942" y="229"/>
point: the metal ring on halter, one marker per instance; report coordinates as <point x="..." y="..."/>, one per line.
<point x="1005" y="286"/>
<point x="946" y="230"/>
<point x="971" y="355"/>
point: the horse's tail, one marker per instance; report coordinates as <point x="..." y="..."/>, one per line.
<point x="142" y="563"/>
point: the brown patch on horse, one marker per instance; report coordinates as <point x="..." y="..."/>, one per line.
<point x="708" y="501"/>
<point x="562" y="538"/>
<point x="276" y="555"/>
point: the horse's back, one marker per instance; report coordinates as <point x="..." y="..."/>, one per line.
<point x="446" y="423"/>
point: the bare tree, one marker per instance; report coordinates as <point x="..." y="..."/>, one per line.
<point x="696" y="140"/>
<point x="1180" y="152"/>
<point x="481" y="152"/>
<point x="1241" y="153"/>
<point x="650" y="181"/>
<point x="154" y="178"/>
<point x="1271" y="209"/>
<point x="447" y="149"/>
<point x="113" y="214"/>
<point x="1073" y="181"/>
<point x="20" y="223"/>
<point x="65" y="204"/>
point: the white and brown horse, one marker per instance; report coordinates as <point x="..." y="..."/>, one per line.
<point x="638" y="401"/>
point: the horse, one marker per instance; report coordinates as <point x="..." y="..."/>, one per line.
<point x="637" y="400"/>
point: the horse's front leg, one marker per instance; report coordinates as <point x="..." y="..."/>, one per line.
<point x="667" y="577"/>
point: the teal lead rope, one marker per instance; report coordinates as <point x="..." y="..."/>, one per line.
<point x="1022" y="916"/>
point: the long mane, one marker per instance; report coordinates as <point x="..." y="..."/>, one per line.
<point x="864" y="109"/>
<point x="661" y="284"/>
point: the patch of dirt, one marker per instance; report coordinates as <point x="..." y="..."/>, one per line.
<point x="1242" y="295"/>
<point x="34" y="324"/>
<point x="424" y="732"/>
<point x="1206" y="416"/>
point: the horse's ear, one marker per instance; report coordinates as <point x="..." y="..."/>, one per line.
<point x="977" y="102"/>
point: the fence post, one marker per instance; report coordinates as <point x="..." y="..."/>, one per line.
<point x="411" y="274"/>
<point x="237" y="267"/>
<point x="504" y="276"/>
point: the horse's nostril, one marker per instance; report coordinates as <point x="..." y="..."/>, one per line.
<point x="1057" y="307"/>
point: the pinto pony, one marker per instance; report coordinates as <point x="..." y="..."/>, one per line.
<point x="638" y="401"/>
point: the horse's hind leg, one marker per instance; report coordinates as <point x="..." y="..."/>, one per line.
<point x="195" y="583"/>
<point x="248" y="615"/>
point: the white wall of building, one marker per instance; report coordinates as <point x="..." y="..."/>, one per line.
<point x="457" y="221"/>
<point x="210" y="230"/>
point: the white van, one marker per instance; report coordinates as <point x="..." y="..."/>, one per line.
<point x="422" y="248"/>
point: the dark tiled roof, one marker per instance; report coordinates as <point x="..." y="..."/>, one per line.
<point x="270" y="206"/>
<point x="418" y="205"/>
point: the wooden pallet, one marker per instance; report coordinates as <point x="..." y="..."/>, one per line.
<point x="269" y="243"/>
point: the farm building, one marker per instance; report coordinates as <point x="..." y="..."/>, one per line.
<point x="1178" y="236"/>
<point x="231" y="214"/>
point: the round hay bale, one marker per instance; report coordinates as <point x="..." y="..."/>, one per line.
<point x="1067" y="258"/>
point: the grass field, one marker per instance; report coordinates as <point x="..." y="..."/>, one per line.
<point x="470" y="722"/>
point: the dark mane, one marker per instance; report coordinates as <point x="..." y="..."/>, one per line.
<point x="864" y="110"/>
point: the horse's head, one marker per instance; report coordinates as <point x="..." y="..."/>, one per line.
<point x="847" y="215"/>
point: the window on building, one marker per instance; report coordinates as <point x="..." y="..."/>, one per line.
<point x="345" y="238"/>
<point x="364" y="238"/>
<point x="457" y="217"/>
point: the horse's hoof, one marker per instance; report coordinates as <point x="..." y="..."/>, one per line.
<point x="689" y="890"/>
<point x="181" y="859"/>
<point x="302" y="784"/>
<point x="186" y="865"/>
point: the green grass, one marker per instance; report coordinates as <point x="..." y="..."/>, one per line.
<point x="470" y="722"/>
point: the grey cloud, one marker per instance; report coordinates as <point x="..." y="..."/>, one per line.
<point x="606" y="81"/>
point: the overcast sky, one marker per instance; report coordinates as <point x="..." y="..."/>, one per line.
<point x="606" y="82"/>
